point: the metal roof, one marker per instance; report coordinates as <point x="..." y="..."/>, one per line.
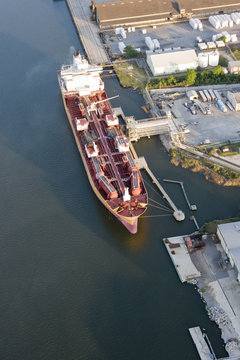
<point x="206" y="6"/>
<point x="231" y="235"/>
<point x="124" y="12"/>
<point x="172" y="58"/>
<point x="133" y="11"/>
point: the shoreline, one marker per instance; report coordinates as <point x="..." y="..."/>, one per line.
<point x="196" y="165"/>
<point x="199" y="265"/>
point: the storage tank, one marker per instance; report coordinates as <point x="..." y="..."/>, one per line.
<point x="149" y="43"/>
<point x="199" y="23"/>
<point x="203" y="60"/>
<point x="156" y="44"/>
<point x="221" y="106"/>
<point x="230" y="21"/>
<point x="223" y="20"/>
<point x="213" y="59"/>
<point x="234" y="38"/>
<point x="193" y="23"/>
<point x="214" y="22"/>
<point x="219" y="20"/>
<point x="235" y="18"/>
<point x="121" y="46"/>
<point x="117" y="30"/>
<point x="220" y="44"/>
<point x="123" y="33"/>
<point x="214" y="37"/>
<point x="226" y="34"/>
<point x="238" y="16"/>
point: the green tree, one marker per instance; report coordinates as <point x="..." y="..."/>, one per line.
<point x="223" y="61"/>
<point x="222" y="38"/>
<point x="130" y="52"/>
<point x="171" y="80"/>
<point x="191" y="77"/>
<point x="217" y="71"/>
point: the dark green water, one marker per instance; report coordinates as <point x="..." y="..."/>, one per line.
<point x="74" y="284"/>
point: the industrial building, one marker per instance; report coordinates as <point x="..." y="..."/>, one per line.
<point x="234" y="99"/>
<point x="234" y="67"/>
<point x="149" y="12"/>
<point x="229" y="236"/>
<point x="172" y="62"/>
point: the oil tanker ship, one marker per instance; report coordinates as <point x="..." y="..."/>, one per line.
<point x="104" y="149"/>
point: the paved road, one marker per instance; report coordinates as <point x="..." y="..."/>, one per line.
<point x="88" y="31"/>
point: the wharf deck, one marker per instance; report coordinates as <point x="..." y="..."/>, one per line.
<point x="204" y="349"/>
<point x="181" y="259"/>
<point x="88" y="31"/>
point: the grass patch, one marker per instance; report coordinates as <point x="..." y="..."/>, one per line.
<point x="236" y="53"/>
<point x="211" y="227"/>
<point x="130" y="75"/>
<point x="228" y="153"/>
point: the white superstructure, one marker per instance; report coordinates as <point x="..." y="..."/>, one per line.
<point x="81" y="77"/>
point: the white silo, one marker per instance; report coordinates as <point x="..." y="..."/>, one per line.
<point x="193" y="23"/>
<point x="203" y="60"/>
<point x="213" y="58"/>
<point x="235" y="18"/>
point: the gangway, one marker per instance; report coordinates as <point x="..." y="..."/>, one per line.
<point x="144" y="127"/>
<point x="142" y="164"/>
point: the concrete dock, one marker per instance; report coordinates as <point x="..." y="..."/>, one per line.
<point x="181" y="259"/>
<point x="88" y="31"/>
<point x="204" y="349"/>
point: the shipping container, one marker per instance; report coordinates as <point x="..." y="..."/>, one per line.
<point x="218" y="97"/>
<point x="202" y="96"/>
<point x="211" y="93"/>
<point x="207" y="95"/>
<point x="149" y="43"/>
<point x="156" y="43"/>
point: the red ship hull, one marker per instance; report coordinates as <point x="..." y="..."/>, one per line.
<point x="109" y="171"/>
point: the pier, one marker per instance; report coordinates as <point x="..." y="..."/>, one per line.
<point x="202" y="344"/>
<point x="142" y="164"/>
<point x="191" y="207"/>
<point x="88" y="31"/>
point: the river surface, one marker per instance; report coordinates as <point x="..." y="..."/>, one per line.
<point x="75" y="285"/>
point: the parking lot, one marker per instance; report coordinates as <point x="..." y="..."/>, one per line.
<point x="170" y="36"/>
<point x="198" y="128"/>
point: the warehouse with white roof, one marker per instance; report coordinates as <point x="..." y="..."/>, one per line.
<point x="172" y="62"/>
<point x="229" y="235"/>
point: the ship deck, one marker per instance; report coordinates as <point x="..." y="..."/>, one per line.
<point x="115" y="164"/>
